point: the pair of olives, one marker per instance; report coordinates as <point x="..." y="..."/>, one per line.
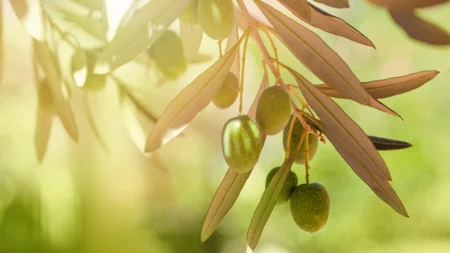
<point x="309" y="203"/>
<point x="241" y="136"/>
<point x="216" y="17"/>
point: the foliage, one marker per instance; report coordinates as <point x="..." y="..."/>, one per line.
<point x="143" y="28"/>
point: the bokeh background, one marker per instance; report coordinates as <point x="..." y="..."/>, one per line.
<point x="83" y="199"/>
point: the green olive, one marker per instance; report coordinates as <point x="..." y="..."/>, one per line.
<point x="273" y="110"/>
<point x="288" y="186"/>
<point x="167" y="51"/>
<point x="241" y="143"/>
<point x="189" y="14"/>
<point x="310" y="206"/>
<point x="94" y="82"/>
<point x="228" y="92"/>
<point x="216" y="18"/>
<point x="297" y="131"/>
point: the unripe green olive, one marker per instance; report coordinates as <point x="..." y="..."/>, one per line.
<point x="241" y="143"/>
<point x="216" y="18"/>
<point x="288" y="186"/>
<point x="297" y="131"/>
<point x="228" y="92"/>
<point x="167" y="51"/>
<point x="189" y="14"/>
<point x="273" y="110"/>
<point x="310" y="206"/>
<point x="93" y="82"/>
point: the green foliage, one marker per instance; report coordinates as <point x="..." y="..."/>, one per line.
<point x="146" y="30"/>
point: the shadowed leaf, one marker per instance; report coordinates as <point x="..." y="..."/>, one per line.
<point x="352" y="143"/>
<point x="299" y="7"/>
<point x="388" y="87"/>
<point x="47" y="61"/>
<point x="191" y="37"/>
<point x="334" y="25"/>
<point x="316" y="55"/>
<point x="268" y="201"/>
<point x="145" y="26"/>
<point x="407" y="4"/>
<point x="388" y="144"/>
<point x="419" y="29"/>
<point x="44" y="119"/>
<point x="232" y="184"/>
<point x="335" y="3"/>
<point x="29" y="12"/>
<point x="190" y="101"/>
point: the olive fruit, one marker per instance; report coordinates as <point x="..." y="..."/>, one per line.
<point x="313" y="141"/>
<point x="273" y="110"/>
<point x="228" y="92"/>
<point x="310" y="206"/>
<point x="93" y="81"/>
<point x="167" y="51"/>
<point x="288" y="186"/>
<point x="241" y="143"/>
<point x="189" y="14"/>
<point x="216" y="18"/>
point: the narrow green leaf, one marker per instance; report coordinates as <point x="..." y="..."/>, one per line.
<point x="146" y="25"/>
<point x="388" y="144"/>
<point x="351" y="143"/>
<point x="419" y="29"/>
<point x="267" y="203"/>
<point x="388" y="87"/>
<point x="335" y="3"/>
<point x="190" y="101"/>
<point x="299" y="7"/>
<point x="44" y="119"/>
<point x="191" y="37"/>
<point x="232" y="184"/>
<point x="46" y="60"/>
<point x="334" y="25"/>
<point x="29" y="12"/>
<point x="316" y="55"/>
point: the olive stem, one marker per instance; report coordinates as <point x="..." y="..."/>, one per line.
<point x="220" y="48"/>
<point x="307" y="159"/>
<point x="241" y="87"/>
<point x="288" y="144"/>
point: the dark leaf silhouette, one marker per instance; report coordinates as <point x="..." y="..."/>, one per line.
<point x="388" y="144"/>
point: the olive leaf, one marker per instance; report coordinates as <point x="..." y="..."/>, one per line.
<point x="268" y="201"/>
<point x="335" y="3"/>
<point x="316" y="55"/>
<point x="190" y="101"/>
<point x="46" y="60"/>
<point x="78" y="67"/>
<point x="232" y="184"/>
<point x="419" y="29"/>
<point x="406" y="4"/>
<point x="351" y="143"/>
<point x="334" y="25"/>
<point x="388" y="87"/>
<point x="146" y="25"/>
<point x="87" y="23"/>
<point x="299" y="8"/>
<point x="191" y="37"/>
<point x="30" y="13"/>
<point x="44" y="119"/>
<point x="388" y="144"/>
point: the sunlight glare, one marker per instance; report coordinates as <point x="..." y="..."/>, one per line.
<point x="115" y="11"/>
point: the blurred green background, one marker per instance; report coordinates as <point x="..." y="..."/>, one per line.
<point x="82" y="199"/>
